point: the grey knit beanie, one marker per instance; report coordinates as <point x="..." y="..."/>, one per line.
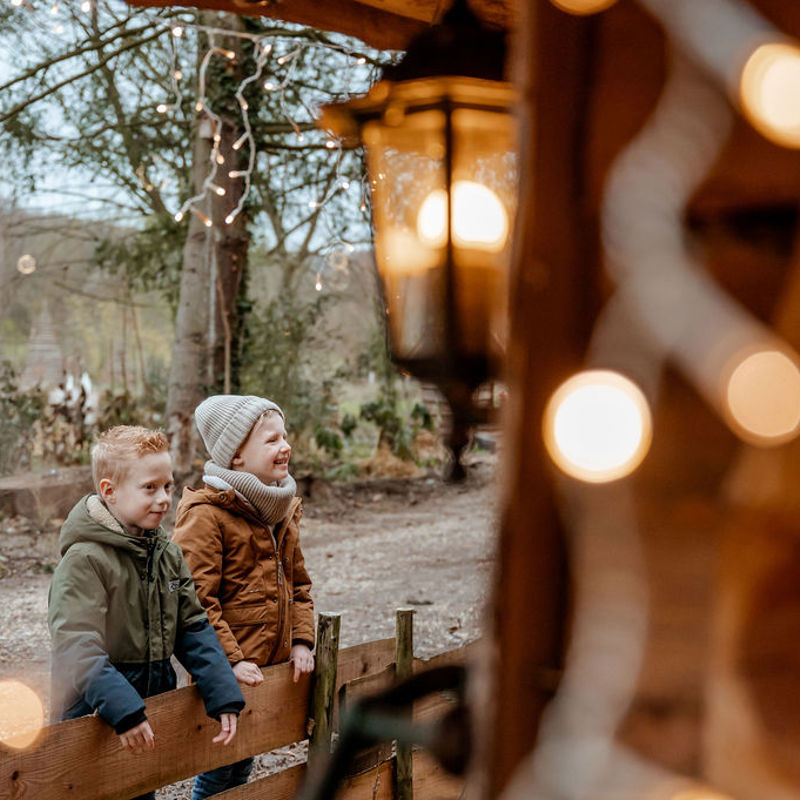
<point x="225" y="421"/>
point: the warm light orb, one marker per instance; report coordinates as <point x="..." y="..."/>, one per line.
<point x="26" y="264"/>
<point x="763" y="396"/>
<point x="770" y="92"/>
<point x="583" y="6"/>
<point x="21" y="715"/>
<point x="480" y="220"/>
<point x="597" y="426"/>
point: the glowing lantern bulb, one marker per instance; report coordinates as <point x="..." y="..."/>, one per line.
<point x="770" y="92"/>
<point x="479" y="219"/>
<point x="597" y="426"/>
<point x="763" y="396"/>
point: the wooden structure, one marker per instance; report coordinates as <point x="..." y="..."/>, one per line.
<point x="83" y="758"/>
<point x="713" y="697"/>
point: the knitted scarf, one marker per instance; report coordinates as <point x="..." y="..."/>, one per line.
<point x="271" y="502"/>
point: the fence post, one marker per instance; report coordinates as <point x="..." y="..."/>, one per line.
<point x="404" y="666"/>
<point x="326" y="663"/>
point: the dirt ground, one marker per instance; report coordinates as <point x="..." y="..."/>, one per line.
<point x="371" y="546"/>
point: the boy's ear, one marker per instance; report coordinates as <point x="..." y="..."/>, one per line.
<point x="106" y="489"/>
<point x="236" y="461"/>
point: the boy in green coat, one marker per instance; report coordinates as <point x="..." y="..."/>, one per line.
<point x="122" y="600"/>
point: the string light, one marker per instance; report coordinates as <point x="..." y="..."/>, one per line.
<point x="86" y="6"/>
<point x="262" y="50"/>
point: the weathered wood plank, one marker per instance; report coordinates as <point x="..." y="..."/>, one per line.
<point x="324" y="684"/>
<point x="278" y="786"/>
<point x="82" y="758"/>
<point x="404" y="668"/>
<point x="364" y="659"/>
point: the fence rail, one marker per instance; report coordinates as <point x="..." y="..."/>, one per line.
<point x="83" y="758"/>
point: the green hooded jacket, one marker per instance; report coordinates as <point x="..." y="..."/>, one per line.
<point x="119" y="606"/>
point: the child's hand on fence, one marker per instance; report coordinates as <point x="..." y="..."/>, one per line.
<point x="227" y="728"/>
<point x="140" y="737"/>
<point x="248" y="673"/>
<point x="303" y="660"/>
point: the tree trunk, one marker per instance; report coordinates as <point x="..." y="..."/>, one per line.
<point x="211" y="279"/>
<point x="189" y="363"/>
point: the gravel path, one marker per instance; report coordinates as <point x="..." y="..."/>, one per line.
<point x="371" y="547"/>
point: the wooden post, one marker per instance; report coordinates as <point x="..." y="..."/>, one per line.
<point x="327" y="658"/>
<point x="404" y="667"/>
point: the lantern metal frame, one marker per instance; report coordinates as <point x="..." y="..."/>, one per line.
<point x="458" y="64"/>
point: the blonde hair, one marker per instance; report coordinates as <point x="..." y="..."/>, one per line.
<point x="117" y="447"/>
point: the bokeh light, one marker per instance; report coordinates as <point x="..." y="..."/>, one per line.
<point x="479" y="218"/>
<point x="597" y="426"/>
<point x="582" y="7"/>
<point x="21" y="715"/>
<point x="763" y="396"/>
<point x="770" y="92"/>
<point x="26" y="264"/>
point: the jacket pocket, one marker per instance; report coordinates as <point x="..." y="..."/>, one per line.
<point x="242" y="615"/>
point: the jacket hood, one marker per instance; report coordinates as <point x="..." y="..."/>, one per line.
<point x="91" y="521"/>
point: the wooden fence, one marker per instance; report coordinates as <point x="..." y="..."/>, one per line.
<point x="82" y="758"/>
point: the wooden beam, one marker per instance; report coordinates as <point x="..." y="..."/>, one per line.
<point x="383" y="24"/>
<point x="379" y="29"/>
<point x="551" y="268"/>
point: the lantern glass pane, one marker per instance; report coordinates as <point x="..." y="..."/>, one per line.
<point x="405" y="161"/>
<point x="483" y="206"/>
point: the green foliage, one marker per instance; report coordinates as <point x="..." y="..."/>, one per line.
<point x="123" y="408"/>
<point x="348" y="424"/>
<point x="19" y="411"/>
<point x="328" y="439"/>
<point x="396" y="430"/>
<point x="278" y="362"/>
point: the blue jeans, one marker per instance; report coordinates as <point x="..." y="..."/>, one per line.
<point x="222" y="778"/>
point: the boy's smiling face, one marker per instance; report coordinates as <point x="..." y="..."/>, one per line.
<point x="266" y="452"/>
<point x="141" y="498"/>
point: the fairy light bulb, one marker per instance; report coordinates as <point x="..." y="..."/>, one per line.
<point x="86" y="6"/>
<point x="199" y="105"/>
<point x="237" y="145"/>
<point x="219" y="190"/>
<point x="230" y="218"/>
<point x="318" y="284"/>
<point x="597" y="426"/>
<point x="162" y="108"/>
<point x="21" y="715"/>
<point x="54" y="8"/>
<point x="237" y="173"/>
<point x="762" y="395"/>
<point x="26" y="264"/>
<point x="361" y="60"/>
<point x="330" y="144"/>
<point x="177" y="31"/>
<point x="270" y="86"/>
<point x="345" y="185"/>
<point x="243" y="104"/>
<point x="220" y="159"/>
<point x="178" y="216"/>
<point x="770" y="92"/>
<point x="178" y="75"/>
<point x="300" y="137"/>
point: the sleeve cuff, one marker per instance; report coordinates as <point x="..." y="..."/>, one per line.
<point x="131" y="721"/>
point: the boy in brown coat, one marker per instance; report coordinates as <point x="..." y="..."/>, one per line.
<point x="240" y="537"/>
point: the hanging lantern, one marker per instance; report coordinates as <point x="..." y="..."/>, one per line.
<point x="438" y="137"/>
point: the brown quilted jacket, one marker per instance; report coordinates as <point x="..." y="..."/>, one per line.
<point x="260" y="603"/>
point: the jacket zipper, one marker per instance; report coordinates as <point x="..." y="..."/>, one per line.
<point x="279" y="561"/>
<point x="150" y="578"/>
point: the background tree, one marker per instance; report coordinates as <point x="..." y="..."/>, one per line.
<point x="137" y="111"/>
